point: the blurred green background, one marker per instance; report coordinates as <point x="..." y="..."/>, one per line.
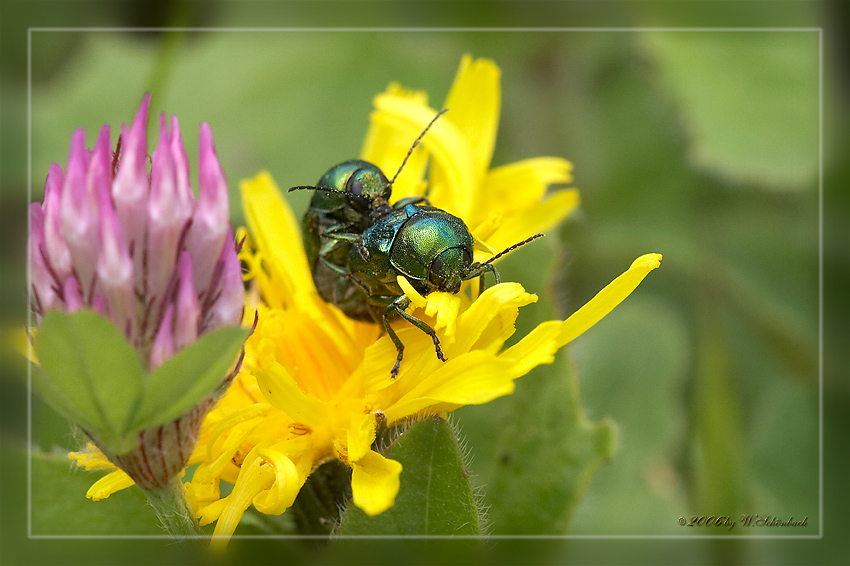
<point x="700" y="145"/>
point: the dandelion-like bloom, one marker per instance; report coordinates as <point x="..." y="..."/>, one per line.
<point x="316" y="385"/>
<point x="140" y="250"/>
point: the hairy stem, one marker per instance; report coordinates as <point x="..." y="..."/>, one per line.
<point x="174" y="513"/>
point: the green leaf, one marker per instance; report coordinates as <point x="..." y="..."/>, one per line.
<point x="435" y="497"/>
<point x="641" y="387"/>
<point x="749" y="102"/>
<point x="59" y="492"/>
<point x="189" y="376"/>
<point x="90" y="373"/>
<point x="53" y="396"/>
<point x="535" y="451"/>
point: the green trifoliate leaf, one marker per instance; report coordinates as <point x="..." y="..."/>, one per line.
<point x="435" y="497"/>
<point x="189" y="376"/>
<point x="89" y="374"/>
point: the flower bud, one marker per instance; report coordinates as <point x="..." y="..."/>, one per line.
<point x="114" y="237"/>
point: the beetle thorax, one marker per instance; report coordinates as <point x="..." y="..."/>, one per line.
<point x="433" y="249"/>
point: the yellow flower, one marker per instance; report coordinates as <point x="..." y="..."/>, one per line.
<point x="316" y="385"/>
<point x="501" y="206"/>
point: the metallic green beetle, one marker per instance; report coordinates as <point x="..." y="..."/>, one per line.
<point x="348" y="199"/>
<point x="430" y="247"/>
<point x="359" y="197"/>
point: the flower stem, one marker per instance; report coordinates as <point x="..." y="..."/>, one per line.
<point x="174" y="512"/>
<point x="316" y="510"/>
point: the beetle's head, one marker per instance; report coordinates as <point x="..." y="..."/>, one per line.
<point x="449" y="269"/>
<point x="368" y="188"/>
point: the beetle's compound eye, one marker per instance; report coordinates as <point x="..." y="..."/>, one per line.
<point x="447" y="269"/>
<point x="356" y="199"/>
<point x="436" y="273"/>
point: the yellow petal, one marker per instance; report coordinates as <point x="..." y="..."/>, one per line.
<point x="537" y="347"/>
<point x="209" y="513"/>
<point x="415" y="297"/>
<point x="518" y="186"/>
<point x="204" y="487"/>
<point x="278" y="236"/>
<point x="282" y="392"/>
<point x="484" y="230"/>
<point x="253" y="480"/>
<point x="470" y="379"/>
<point x="375" y="483"/>
<point x="474" y="103"/>
<point x="496" y="302"/>
<point x="91" y="458"/>
<point x="360" y="436"/>
<point x="445" y="306"/>
<point x="109" y="484"/>
<point x="604" y="302"/>
<point x="452" y="169"/>
<point x="239" y="429"/>
<point x="539" y="218"/>
<point x="232" y="421"/>
<point x="287" y="483"/>
<point x="386" y="147"/>
<point x="307" y="344"/>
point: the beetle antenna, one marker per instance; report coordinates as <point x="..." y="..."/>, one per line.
<point x="312" y="188"/>
<point x="512" y="248"/>
<point x="416" y="142"/>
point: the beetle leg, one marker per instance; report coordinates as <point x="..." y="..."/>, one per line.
<point x="397" y="307"/>
<point x="328" y="247"/>
<point x="343" y="236"/>
<point x="341" y="271"/>
<point x="333" y="235"/>
<point x="355" y="239"/>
